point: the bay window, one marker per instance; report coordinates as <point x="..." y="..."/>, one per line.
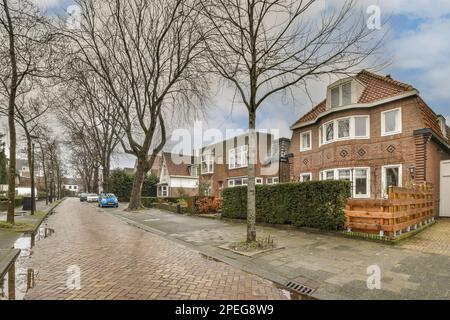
<point x="349" y="128"/>
<point x="329" y="132"/>
<point x="361" y="183"/>
<point x="343" y="128"/>
<point x="359" y="177"/>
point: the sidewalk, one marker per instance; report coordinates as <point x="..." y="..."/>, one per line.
<point x="335" y="266"/>
<point x="9" y="237"/>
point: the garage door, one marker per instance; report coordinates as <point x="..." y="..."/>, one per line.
<point x="445" y="189"/>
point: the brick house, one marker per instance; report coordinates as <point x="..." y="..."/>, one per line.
<point x="225" y="164"/>
<point x="374" y="131"/>
<point x="179" y="176"/>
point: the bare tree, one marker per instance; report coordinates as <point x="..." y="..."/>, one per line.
<point x="266" y="47"/>
<point x="148" y="56"/>
<point x="25" y="48"/>
<point x="92" y="118"/>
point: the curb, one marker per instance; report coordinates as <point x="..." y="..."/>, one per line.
<point x="248" y="266"/>
<point x="11" y="256"/>
<point x="8" y="260"/>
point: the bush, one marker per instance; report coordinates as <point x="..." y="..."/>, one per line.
<point x="121" y="184"/>
<point x="149" y="202"/>
<point x="4" y="203"/>
<point x="315" y="204"/>
<point x="205" y="205"/>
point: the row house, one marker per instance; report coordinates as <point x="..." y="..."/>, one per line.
<point x="225" y="164"/>
<point x="373" y="131"/>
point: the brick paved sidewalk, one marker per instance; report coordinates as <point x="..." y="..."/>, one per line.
<point x="338" y="265"/>
<point x="118" y="261"/>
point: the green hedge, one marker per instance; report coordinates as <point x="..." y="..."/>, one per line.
<point x="149" y="202"/>
<point x="315" y="204"/>
<point x="121" y="184"/>
<point x="4" y="203"/>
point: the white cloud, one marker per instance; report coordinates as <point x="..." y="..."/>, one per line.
<point x="425" y="53"/>
<point x="45" y="4"/>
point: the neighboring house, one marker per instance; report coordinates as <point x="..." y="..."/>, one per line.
<point x="71" y="185"/>
<point x="22" y="168"/>
<point x="225" y="164"/>
<point x="374" y="131"/>
<point x="178" y="176"/>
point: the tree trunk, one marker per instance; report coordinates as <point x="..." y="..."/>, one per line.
<point x="106" y="174"/>
<point x="139" y="177"/>
<point x="95" y="185"/>
<point x="11" y="115"/>
<point x="30" y="152"/>
<point x="251" y="188"/>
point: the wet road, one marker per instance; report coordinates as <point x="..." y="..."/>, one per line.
<point x="93" y="255"/>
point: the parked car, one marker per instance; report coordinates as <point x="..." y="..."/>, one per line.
<point x="108" y="200"/>
<point x="83" y="197"/>
<point x="92" y="198"/>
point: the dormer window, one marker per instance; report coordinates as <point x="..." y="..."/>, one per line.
<point x="341" y="95"/>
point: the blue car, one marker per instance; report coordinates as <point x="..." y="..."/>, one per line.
<point x="108" y="200"/>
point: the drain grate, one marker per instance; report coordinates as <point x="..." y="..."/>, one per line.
<point x="302" y="286"/>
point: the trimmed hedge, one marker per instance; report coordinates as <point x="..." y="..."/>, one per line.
<point x="4" y="203"/>
<point x="149" y="202"/>
<point x="314" y="204"/>
<point x="121" y="184"/>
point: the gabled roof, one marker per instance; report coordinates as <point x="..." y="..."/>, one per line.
<point x="178" y="165"/>
<point x="378" y="87"/>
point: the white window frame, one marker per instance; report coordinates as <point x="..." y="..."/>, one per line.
<point x="164" y="191"/>
<point x="302" y="147"/>
<point x="208" y="159"/>
<point x="341" y="96"/>
<point x="399" y="120"/>
<point x="352" y="179"/>
<point x="232" y="182"/>
<point x="352" y="131"/>
<point x="273" y="180"/>
<point x="259" y="181"/>
<point x="368" y="188"/>
<point x="303" y="175"/>
<point x="384" y="180"/>
<point x="233" y="154"/>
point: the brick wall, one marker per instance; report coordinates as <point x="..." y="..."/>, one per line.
<point x="374" y="152"/>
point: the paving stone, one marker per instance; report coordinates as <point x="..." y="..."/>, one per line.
<point x="118" y="261"/>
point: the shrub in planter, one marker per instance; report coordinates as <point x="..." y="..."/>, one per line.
<point x="315" y="204"/>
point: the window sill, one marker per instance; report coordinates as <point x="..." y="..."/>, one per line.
<point x="390" y="133"/>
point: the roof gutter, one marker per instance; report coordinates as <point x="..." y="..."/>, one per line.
<point x="357" y="106"/>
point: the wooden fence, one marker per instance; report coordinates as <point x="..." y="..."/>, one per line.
<point x="405" y="210"/>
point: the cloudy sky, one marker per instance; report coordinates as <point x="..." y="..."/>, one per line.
<point x="417" y="45"/>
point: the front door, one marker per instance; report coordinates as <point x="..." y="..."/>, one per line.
<point x="445" y="189"/>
